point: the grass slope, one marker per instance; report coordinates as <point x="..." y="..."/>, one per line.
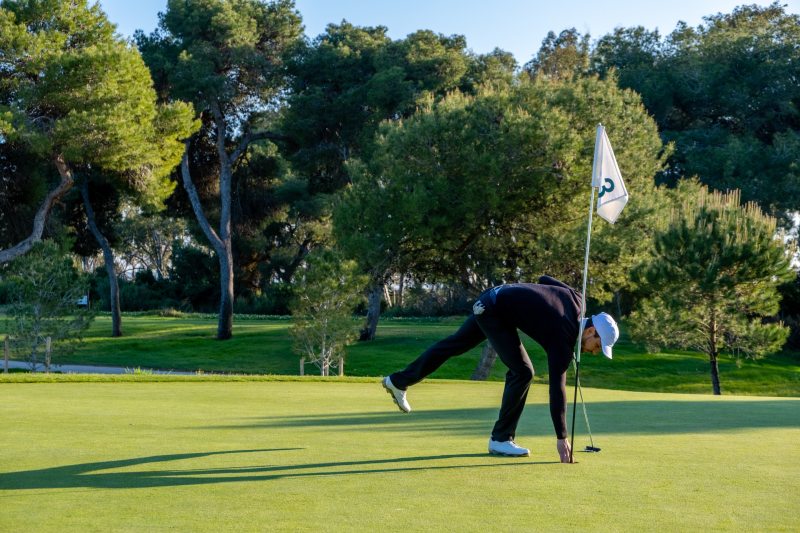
<point x="273" y="456"/>
<point x="264" y="347"/>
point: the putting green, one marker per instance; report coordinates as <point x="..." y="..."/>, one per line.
<point x="271" y="456"/>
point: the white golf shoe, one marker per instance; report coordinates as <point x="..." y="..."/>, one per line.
<point x="399" y="396"/>
<point x="508" y="448"/>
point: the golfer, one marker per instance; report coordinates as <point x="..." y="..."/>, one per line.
<point x="547" y="312"/>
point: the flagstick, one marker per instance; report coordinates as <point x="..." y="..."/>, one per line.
<point x="580" y="324"/>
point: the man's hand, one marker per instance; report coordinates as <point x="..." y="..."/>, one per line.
<point x="478" y="308"/>
<point x="563" y="447"/>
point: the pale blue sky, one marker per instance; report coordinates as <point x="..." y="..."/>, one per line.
<point x="517" y="26"/>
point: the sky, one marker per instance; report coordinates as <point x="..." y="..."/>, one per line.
<point x="517" y="26"/>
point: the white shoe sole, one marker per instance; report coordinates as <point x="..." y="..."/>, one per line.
<point x="511" y="455"/>
<point x="393" y="398"/>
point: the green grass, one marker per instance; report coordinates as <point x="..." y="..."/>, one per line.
<point x="310" y="456"/>
<point x="264" y="347"/>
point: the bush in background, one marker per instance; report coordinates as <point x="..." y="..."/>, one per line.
<point x="45" y="288"/>
<point x="322" y="310"/>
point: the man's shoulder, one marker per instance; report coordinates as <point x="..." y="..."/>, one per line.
<point x="547" y="280"/>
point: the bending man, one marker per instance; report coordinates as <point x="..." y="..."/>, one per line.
<point x="547" y="312"/>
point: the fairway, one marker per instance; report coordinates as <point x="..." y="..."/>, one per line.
<point x="327" y="456"/>
<point x="264" y="347"/>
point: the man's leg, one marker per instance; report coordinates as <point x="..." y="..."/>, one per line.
<point x="505" y="340"/>
<point x="468" y="336"/>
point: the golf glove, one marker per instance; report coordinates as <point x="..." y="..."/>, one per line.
<point x="478" y="308"/>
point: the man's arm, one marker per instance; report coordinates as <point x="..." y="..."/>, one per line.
<point x="558" y="360"/>
<point x="547" y="280"/>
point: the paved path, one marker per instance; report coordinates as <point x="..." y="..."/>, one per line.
<point x="86" y="369"/>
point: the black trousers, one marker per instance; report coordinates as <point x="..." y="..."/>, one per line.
<point x="505" y="340"/>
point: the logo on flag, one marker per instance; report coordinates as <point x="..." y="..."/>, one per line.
<point x="607" y="178"/>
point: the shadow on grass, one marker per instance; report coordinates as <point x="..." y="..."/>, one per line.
<point x="89" y="475"/>
<point x="623" y="417"/>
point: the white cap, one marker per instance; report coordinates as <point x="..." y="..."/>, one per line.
<point x="608" y="331"/>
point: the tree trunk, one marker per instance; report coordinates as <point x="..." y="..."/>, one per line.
<point x="225" y="328"/>
<point x="373" y="313"/>
<point x="712" y="356"/>
<point x="222" y="242"/>
<point x="400" y="293"/>
<point x="159" y="255"/>
<point x="108" y="256"/>
<point x="387" y="296"/>
<point x="226" y="264"/>
<point x="289" y="271"/>
<point x="715" y="374"/>
<point x="488" y="357"/>
<point x="67" y="179"/>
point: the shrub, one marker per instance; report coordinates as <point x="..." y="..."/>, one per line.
<point x="45" y="289"/>
<point x="274" y="300"/>
<point x="322" y="322"/>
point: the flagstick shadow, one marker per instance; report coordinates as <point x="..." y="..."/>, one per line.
<point x="81" y="476"/>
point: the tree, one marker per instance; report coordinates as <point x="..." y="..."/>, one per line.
<point x="108" y="257"/>
<point x="493" y="188"/>
<point x="45" y="288"/>
<point x="147" y="240"/>
<point x="73" y="92"/>
<point x="561" y="56"/>
<point x="711" y="276"/>
<point x="726" y="94"/>
<point x="226" y="57"/>
<point x="326" y="294"/>
<point x="24" y="181"/>
<point x="93" y="232"/>
<point x="150" y="195"/>
<point x="348" y="80"/>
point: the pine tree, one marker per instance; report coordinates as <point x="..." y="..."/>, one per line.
<point x="322" y="324"/>
<point x="74" y="93"/>
<point x="226" y="57"/>
<point x="712" y="274"/>
<point x="492" y="188"/>
<point x="45" y="287"/>
<point x="724" y="93"/>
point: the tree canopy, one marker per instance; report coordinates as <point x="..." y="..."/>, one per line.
<point x="492" y="188"/>
<point x="726" y="93"/>
<point x="711" y="275"/>
<point x="75" y="93"/>
<point x="227" y="59"/>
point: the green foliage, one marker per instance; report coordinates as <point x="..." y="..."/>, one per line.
<point x="275" y="299"/>
<point x="45" y="287"/>
<point x="321" y="313"/>
<point x="230" y="51"/>
<point x="195" y="277"/>
<point x="493" y="188"/>
<point x="105" y="200"/>
<point x="227" y="58"/>
<point x="561" y="56"/>
<point x="349" y="79"/>
<point x="24" y="180"/>
<point x="724" y="94"/>
<point x="712" y="274"/>
<point x="148" y="239"/>
<point x="73" y="88"/>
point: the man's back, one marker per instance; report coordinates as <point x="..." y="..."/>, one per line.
<point x="547" y="312"/>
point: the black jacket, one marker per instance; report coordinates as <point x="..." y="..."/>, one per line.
<point x="548" y="312"/>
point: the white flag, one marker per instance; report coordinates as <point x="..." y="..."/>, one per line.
<point x="606" y="176"/>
